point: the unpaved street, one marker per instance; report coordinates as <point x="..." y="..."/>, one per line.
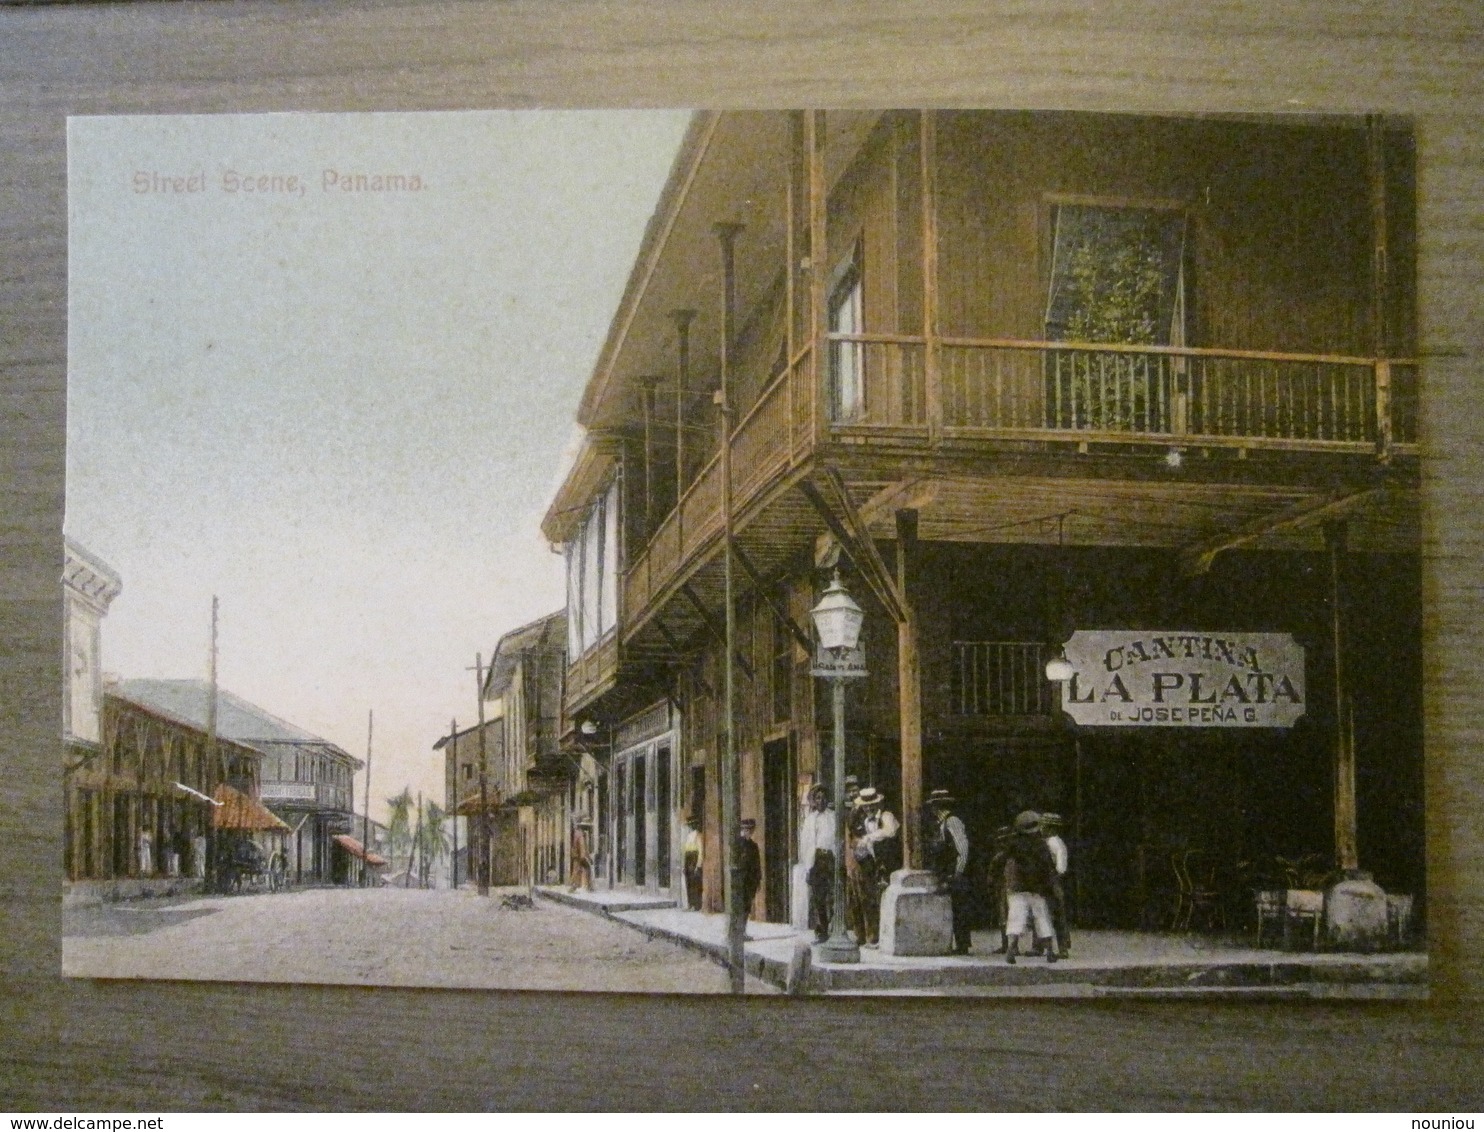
<point x="383" y="937"/>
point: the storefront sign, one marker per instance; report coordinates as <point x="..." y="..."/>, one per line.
<point x="840" y="664"/>
<point x="1176" y="678"/>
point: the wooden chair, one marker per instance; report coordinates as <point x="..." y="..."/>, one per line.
<point x="1269" y="905"/>
<point x="1398" y="917"/>
<point x="1195" y="878"/>
<point x="1300" y="905"/>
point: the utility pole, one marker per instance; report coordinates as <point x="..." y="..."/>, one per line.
<point x="453" y="746"/>
<point x="366" y="817"/>
<point x="731" y="821"/>
<point x="418" y="854"/>
<point x="213" y="755"/>
<point x="484" y="790"/>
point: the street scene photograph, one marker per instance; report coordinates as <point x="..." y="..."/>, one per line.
<point x="865" y="552"/>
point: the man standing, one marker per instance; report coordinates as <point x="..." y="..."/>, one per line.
<point x="691" y="863"/>
<point x="817" y="855"/>
<point x="1029" y="870"/>
<point x="752" y="868"/>
<point x="581" y="873"/>
<point x="852" y="819"/>
<point x="878" y="854"/>
<point x="1051" y="827"/>
<point x="950" y="859"/>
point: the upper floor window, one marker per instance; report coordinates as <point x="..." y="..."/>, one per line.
<point x="1117" y="275"/>
<point x="592" y="576"/>
<point x="847" y="358"/>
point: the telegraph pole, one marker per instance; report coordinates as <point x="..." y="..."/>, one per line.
<point x="366" y="817"/>
<point x="484" y="790"/>
<point x="453" y="746"/>
<point x="213" y="757"/>
<point x="731" y="799"/>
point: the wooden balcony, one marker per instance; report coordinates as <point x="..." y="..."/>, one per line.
<point x="952" y="397"/>
<point x="1008" y="389"/>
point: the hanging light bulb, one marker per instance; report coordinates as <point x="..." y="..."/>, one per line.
<point x="1059" y="669"/>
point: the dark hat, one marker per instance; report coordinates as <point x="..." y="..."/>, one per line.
<point x="817" y="788"/>
<point x="941" y="798"/>
<point x="749" y="823"/>
<point x="1027" y="821"/>
<point x="1051" y="819"/>
<point x="852" y="780"/>
<point x="870" y="796"/>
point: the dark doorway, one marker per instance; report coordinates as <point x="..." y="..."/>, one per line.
<point x="663" y="829"/>
<point x="621" y="822"/>
<point x="777" y="829"/>
<point x="641" y="841"/>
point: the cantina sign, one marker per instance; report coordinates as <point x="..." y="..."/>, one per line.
<point x="1183" y="679"/>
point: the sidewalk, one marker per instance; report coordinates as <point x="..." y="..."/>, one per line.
<point x="1101" y="963"/>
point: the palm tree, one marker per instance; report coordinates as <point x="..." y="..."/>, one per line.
<point x="433" y="843"/>
<point x="400" y="827"/>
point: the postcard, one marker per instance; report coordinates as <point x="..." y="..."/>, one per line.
<point x="856" y="552"/>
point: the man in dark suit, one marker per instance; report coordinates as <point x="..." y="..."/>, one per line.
<point x="751" y="859"/>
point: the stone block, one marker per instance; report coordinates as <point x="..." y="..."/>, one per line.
<point x="916" y="919"/>
<point x="1355" y="915"/>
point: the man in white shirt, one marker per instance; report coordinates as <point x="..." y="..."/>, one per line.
<point x="691" y="852"/>
<point x="817" y="833"/>
<point x="1051" y="825"/>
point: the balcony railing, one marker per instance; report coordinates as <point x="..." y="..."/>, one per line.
<point x="1049" y="390"/>
<point x="909" y="390"/>
<point x="999" y="678"/>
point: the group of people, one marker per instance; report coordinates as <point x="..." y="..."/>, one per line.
<point x="873" y="851"/>
<point x="1026" y="873"/>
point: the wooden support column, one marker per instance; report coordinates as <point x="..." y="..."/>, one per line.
<point x="1346" y="848"/>
<point x="647" y="393"/>
<point x="909" y="689"/>
<point x="927" y="152"/>
<point x="1380" y="282"/>
<point x="819" y="266"/>
<point x="683" y="319"/>
<point x="795" y="176"/>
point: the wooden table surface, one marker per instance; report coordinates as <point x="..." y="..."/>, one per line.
<point x="77" y="1045"/>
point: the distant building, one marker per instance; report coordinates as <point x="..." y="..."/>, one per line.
<point x="305" y="780"/>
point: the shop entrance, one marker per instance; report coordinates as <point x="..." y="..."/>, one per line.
<point x="778" y="832"/>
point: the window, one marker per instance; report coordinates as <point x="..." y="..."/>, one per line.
<point x="847" y="359"/>
<point x="592" y="576"/>
<point x="1117" y="276"/>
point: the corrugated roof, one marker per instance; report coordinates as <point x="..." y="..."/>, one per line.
<point x="236" y="719"/>
<point x="549" y="632"/>
<point x="239" y="812"/>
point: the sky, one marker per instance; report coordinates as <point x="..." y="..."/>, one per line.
<point x="341" y="410"/>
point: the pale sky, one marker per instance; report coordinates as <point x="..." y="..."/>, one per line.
<point x="342" y="412"/>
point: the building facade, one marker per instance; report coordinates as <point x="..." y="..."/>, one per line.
<point x="1017" y="377"/>
<point x="303" y="780"/>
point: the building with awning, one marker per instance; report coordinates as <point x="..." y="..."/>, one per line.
<point x="237" y="812"/>
<point x="350" y="861"/>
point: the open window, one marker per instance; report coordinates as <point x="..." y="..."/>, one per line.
<point x="847" y="358"/>
<point x="1118" y="275"/>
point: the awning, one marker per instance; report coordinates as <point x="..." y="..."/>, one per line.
<point x="239" y="812"/>
<point x="468" y="807"/>
<point x="356" y="849"/>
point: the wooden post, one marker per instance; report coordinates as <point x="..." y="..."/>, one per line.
<point x="366" y="805"/>
<point x="683" y="320"/>
<point x="791" y="255"/>
<point x="1380" y="279"/>
<point x="483" y="875"/>
<point x="453" y="746"/>
<point x="731" y="821"/>
<point x="647" y="392"/>
<point x="909" y="689"/>
<point x="927" y="154"/>
<point x="819" y="266"/>
<point x="1346" y="851"/>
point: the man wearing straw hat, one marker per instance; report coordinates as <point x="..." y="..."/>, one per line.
<point x="1029" y="870"/>
<point x="950" y="859"/>
<point x="877" y="854"/>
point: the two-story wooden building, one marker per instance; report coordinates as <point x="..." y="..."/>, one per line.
<point x="303" y="780"/>
<point x="1019" y="375"/>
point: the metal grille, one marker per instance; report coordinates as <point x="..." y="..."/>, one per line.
<point x="1000" y="678"/>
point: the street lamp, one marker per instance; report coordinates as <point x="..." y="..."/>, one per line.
<point x="837" y="621"/>
<point x="1059" y="669"/>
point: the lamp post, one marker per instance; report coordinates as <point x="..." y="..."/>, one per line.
<point x="837" y="621"/>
